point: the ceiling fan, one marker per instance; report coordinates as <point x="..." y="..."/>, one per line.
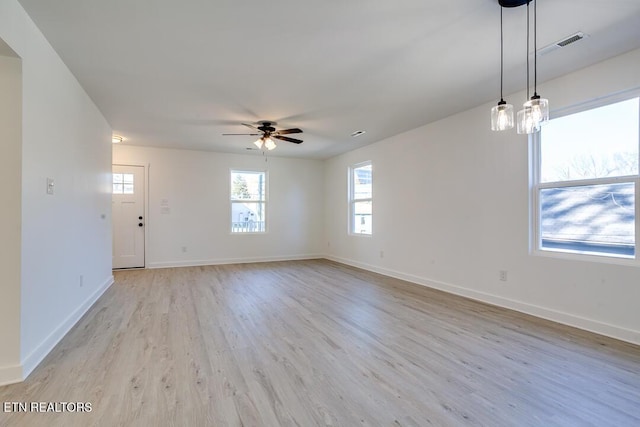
<point x="268" y="133"/>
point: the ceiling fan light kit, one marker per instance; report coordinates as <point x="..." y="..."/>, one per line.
<point x="263" y="143"/>
<point x="535" y="111"/>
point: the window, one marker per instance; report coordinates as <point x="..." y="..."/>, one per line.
<point x="122" y="183"/>
<point x="361" y="198"/>
<point x="248" y="201"/>
<point x="586" y="180"/>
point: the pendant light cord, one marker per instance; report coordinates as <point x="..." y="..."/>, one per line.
<point x="527" y="49"/>
<point x="535" y="48"/>
<point x="501" y="55"/>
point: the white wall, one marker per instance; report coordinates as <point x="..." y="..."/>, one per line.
<point x="451" y="209"/>
<point x="67" y="235"/>
<point x="10" y="215"/>
<point x="195" y="185"/>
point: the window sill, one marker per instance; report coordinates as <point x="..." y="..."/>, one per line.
<point x="584" y="257"/>
<point x="249" y="233"/>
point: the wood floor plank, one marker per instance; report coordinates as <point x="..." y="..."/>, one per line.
<point x="317" y="343"/>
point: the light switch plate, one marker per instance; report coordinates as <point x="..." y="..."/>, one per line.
<point x="50" y="185"/>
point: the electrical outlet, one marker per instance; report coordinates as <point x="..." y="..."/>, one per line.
<point x="184" y="249"/>
<point x="503" y="275"/>
<point x="381" y="254"/>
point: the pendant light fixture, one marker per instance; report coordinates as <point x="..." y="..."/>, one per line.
<point x="535" y="111"/>
<point x="526" y="124"/>
<point x="501" y="114"/>
<point x="539" y="106"/>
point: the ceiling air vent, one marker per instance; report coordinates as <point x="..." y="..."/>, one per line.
<point x="562" y="43"/>
<point x="571" y="39"/>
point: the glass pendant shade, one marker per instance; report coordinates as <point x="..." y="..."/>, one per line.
<point x="539" y="109"/>
<point x="502" y="116"/>
<point x="269" y="144"/>
<point x="527" y="122"/>
<point x="258" y="143"/>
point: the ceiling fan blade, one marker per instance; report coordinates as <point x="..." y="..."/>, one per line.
<point x="286" y="138"/>
<point x="251" y="126"/>
<point x="288" y="131"/>
<point x="253" y="134"/>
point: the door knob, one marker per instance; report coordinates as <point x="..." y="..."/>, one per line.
<point x="139" y="217"/>
<point x="140" y="224"/>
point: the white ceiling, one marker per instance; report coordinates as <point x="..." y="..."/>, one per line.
<point x="173" y="73"/>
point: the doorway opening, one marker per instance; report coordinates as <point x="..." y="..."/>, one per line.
<point x="129" y="219"/>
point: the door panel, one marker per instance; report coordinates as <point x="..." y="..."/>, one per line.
<point x="128" y="216"/>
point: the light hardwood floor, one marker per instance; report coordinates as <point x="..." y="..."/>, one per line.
<point x="316" y="343"/>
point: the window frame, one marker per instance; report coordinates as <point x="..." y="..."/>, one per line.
<point x="352" y="200"/>
<point x="264" y="201"/>
<point x="122" y="184"/>
<point x="536" y="187"/>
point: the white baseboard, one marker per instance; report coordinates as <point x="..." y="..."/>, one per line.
<point x="222" y="261"/>
<point x="39" y="353"/>
<point x="10" y="374"/>
<point x="568" y="319"/>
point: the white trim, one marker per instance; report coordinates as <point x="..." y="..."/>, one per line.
<point x="264" y="201"/>
<point x="352" y="199"/>
<point x="223" y="261"/>
<point x="10" y="374"/>
<point x="603" y="258"/>
<point x="589" y="182"/>
<point x="568" y="319"/>
<point x="39" y="353"/>
<point x="534" y="171"/>
<point x="591" y="104"/>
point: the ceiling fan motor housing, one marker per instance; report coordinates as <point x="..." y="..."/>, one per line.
<point x="267" y="127"/>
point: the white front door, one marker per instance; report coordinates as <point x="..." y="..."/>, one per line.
<point x="128" y="216"/>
